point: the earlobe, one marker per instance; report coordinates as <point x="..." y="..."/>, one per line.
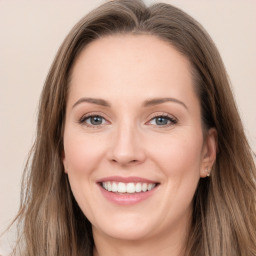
<point x="209" y="152"/>
<point x="65" y="167"/>
<point x="207" y="172"/>
<point x="64" y="162"/>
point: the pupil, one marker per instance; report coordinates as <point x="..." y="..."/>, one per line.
<point x="161" y="121"/>
<point x="96" y="120"/>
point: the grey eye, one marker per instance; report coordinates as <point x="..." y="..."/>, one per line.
<point x="93" y="120"/>
<point x="161" y="120"/>
<point x="96" y="120"/>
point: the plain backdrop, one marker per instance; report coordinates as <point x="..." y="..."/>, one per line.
<point x="30" y="34"/>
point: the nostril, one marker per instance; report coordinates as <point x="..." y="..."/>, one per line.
<point x="124" y="162"/>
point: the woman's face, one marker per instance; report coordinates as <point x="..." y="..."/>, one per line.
<point x="133" y="143"/>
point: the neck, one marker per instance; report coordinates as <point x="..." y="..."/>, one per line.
<point x="166" y="245"/>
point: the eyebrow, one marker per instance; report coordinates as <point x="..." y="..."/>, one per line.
<point x="157" y="101"/>
<point x="100" y="102"/>
<point x="147" y="103"/>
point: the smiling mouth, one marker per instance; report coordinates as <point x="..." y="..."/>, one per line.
<point x="129" y="188"/>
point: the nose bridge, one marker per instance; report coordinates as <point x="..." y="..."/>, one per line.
<point x="126" y="146"/>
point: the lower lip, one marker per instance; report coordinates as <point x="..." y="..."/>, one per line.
<point x="126" y="198"/>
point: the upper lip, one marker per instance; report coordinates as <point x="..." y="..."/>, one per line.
<point x="126" y="179"/>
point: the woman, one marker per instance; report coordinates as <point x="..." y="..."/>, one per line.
<point x="140" y="149"/>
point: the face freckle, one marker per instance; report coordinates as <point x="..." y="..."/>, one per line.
<point x="133" y="118"/>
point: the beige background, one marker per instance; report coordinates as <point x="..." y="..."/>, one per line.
<point x="31" y="32"/>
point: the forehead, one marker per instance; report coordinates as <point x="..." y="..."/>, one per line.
<point x="131" y="64"/>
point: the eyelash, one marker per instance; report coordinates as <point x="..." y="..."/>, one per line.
<point x="91" y="115"/>
<point x="172" y="121"/>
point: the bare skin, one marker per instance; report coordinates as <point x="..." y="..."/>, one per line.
<point x="132" y="112"/>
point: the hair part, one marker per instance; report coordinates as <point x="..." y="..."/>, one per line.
<point x="223" y="221"/>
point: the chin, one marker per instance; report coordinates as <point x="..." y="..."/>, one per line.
<point x="130" y="229"/>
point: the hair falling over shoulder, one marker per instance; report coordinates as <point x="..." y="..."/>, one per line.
<point x="224" y="215"/>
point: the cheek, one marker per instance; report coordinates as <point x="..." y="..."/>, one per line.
<point x="82" y="153"/>
<point x="180" y="154"/>
<point x="81" y="159"/>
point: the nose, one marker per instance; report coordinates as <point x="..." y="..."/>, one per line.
<point x="126" y="146"/>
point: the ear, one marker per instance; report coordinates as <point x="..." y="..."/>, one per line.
<point x="64" y="161"/>
<point x="209" y="152"/>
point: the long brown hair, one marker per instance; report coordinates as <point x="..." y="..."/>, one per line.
<point x="224" y="213"/>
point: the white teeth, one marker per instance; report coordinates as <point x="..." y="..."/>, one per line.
<point x="104" y="184"/>
<point x="138" y="187"/>
<point x="109" y="187"/>
<point x="121" y="188"/>
<point x="150" y="186"/>
<point x="114" y="187"/>
<point x="144" y="187"/>
<point x="130" y="188"/>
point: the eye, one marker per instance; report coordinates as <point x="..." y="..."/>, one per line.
<point x="162" y="120"/>
<point x="93" y="120"/>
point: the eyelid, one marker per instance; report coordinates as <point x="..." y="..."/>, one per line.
<point x="90" y="114"/>
<point x="81" y="120"/>
<point x="163" y="114"/>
